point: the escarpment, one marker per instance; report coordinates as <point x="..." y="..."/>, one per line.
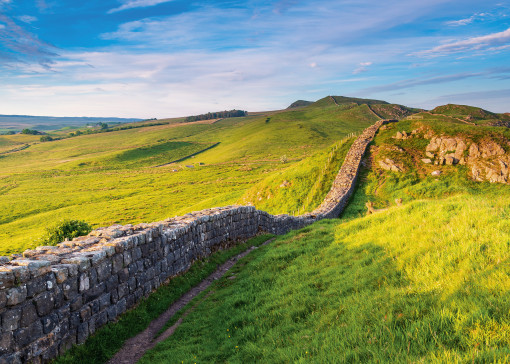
<point x="486" y="158"/>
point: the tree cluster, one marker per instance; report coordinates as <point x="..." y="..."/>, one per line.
<point x="217" y="115"/>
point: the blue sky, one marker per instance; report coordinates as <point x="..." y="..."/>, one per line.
<point x="162" y="58"/>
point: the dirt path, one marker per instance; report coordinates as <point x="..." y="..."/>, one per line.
<point x="451" y="117"/>
<point x="373" y="112"/>
<point x="136" y="347"/>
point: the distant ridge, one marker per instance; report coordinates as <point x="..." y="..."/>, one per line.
<point x="299" y="103"/>
<point x="54" y="122"/>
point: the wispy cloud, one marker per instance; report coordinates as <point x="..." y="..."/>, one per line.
<point x="419" y="82"/>
<point x="485" y="42"/>
<point x="23" y="46"/>
<point x="362" y="67"/>
<point x="27" y="18"/>
<point x="132" y="4"/>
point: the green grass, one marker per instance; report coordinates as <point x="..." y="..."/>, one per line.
<point x="111" y="177"/>
<point x="302" y="186"/>
<point x="383" y="187"/>
<point x="427" y="282"/>
<point x="100" y="347"/>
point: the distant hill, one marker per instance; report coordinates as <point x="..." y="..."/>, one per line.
<point x="379" y="108"/>
<point x="299" y="103"/>
<point x="19" y="122"/>
<point x="472" y="114"/>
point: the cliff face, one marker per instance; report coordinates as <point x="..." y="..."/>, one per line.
<point x="487" y="159"/>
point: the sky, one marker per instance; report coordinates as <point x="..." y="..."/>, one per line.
<point x="167" y="58"/>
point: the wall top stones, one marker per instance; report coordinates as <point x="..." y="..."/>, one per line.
<point x="53" y="297"/>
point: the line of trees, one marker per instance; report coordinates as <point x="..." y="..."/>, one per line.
<point x="217" y="115"/>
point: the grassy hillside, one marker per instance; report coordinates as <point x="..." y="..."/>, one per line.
<point x="471" y="114"/>
<point x="302" y="186"/>
<point x="113" y="177"/>
<point x="426" y="282"/>
<point x="383" y="187"/>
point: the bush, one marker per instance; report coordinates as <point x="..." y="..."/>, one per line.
<point x="67" y="229"/>
<point x="46" y="138"/>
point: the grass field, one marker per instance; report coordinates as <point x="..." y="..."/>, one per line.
<point x="426" y="282"/>
<point x="112" y="177"/>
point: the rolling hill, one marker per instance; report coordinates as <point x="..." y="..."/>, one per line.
<point x="424" y="278"/>
<point x="118" y="177"/>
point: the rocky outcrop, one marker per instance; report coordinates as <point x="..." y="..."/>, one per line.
<point x="486" y="160"/>
<point x="390" y="165"/>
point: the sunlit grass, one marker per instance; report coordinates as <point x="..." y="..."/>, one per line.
<point x="425" y="282"/>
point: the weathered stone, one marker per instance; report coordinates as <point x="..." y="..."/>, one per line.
<point x="6" y="279"/>
<point x="84" y="282"/>
<point x="28" y="314"/>
<point x="426" y="161"/>
<point x="436" y="173"/>
<point x="29" y="334"/>
<point x="49" y="322"/>
<point x="81" y="261"/>
<point x="61" y="273"/>
<point x="16" y="295"/>
<point x="11" y="319"/>
<point x="44" y="303"/>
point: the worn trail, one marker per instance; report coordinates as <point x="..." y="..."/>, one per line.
<point x="136" y="347"/>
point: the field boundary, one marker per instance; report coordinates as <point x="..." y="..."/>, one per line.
<point x="189" y="156"/>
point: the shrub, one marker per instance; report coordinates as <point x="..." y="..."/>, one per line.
<point x="66" y="229"/>
<point x="46" y="138"/>
<point x="284" y="159"/>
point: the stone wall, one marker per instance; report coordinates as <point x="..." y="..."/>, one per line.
<point x="56" y="296"/>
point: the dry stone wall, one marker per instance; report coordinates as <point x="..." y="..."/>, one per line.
<point x="53" y="297"/>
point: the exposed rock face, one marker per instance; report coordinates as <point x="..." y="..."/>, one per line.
<point x="390" y="165"/>
<point x="486" y="160"/>
<point x="447" y="150"/>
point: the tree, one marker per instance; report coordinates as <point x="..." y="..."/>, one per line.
<point x="46" y="138"/>
<point x="29" y="131"/>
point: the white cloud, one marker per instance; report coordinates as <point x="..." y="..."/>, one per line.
<point x="461" y="22"/>
<point x="27" y="18"/>
<point x="2" y="26"/>
<point x="132" y="4"/>
<point x="363" y="67"/>
<point x="471" y="44"/>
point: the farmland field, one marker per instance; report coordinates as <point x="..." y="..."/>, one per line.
<point x="114" y="177"/>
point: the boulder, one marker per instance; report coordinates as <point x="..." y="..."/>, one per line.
<point x="426" y="161"/>
<point x="390" y="165"/>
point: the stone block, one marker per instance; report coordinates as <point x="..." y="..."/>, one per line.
<point x="25" y="336"/>
<point x="16" y="295"/>
<point x="44" y="303"/>
<point x="28" y="314"/>
<point x="11" y="319"/>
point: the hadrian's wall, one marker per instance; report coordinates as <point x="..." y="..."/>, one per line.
<point x="54" y="297"/>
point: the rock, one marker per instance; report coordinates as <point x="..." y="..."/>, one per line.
<point x="474" y="151"/>
<point x="436" y="173"/>
<point x="285" y="184"/>
<point x="433" y="145"/>
<point x="476" y="173"/>
<point x="430" y="155"/>
<point x="16" y="295"/>
<point x="448" y="144"/>
<point x="390" y="165"/>
<point x="426" y="161"/>
<point x="450" y="160"/>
